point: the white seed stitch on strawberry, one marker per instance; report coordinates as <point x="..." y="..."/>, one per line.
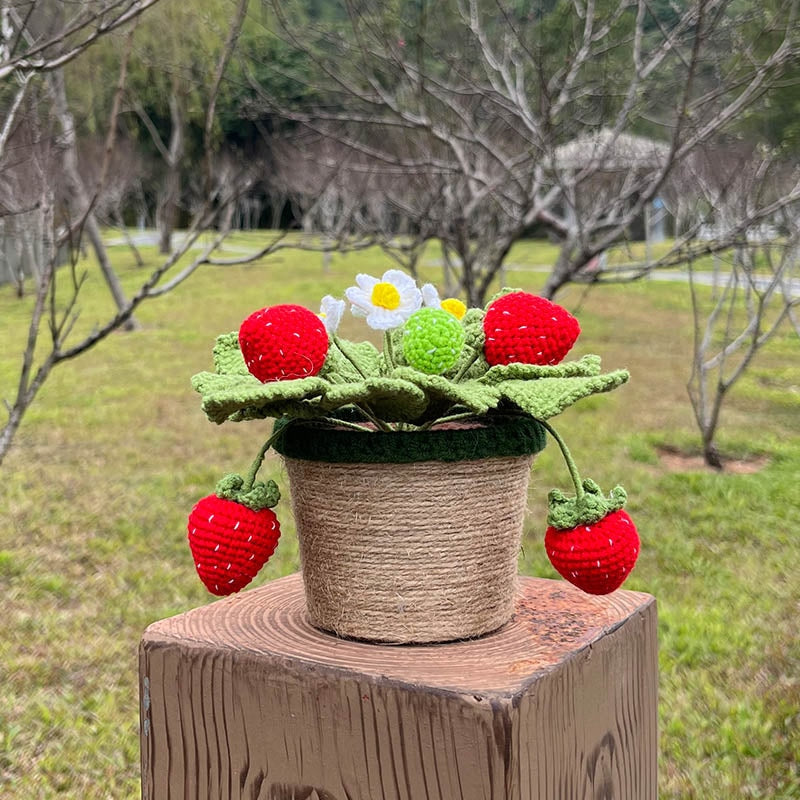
<point x="221" y="547"/>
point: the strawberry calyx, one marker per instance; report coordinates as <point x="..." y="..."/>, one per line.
<point x="588" y="506"/>
<point x="256" y="496"/>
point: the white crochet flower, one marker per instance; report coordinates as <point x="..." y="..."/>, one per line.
<point x="430" y="296"/>
<point x="330" y="312"/>
<point x="431" y="299"/>
<point x="386" y="302"/>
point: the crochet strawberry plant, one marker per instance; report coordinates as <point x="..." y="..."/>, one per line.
<point x="439" y="363"/>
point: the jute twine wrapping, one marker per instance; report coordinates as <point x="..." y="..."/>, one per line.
<point x="422" y="552"/>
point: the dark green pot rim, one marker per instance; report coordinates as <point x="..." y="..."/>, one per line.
<point x="487" y="437"/>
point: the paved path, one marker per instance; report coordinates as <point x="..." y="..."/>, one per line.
<point x="671" y="276"/>
<point x="149" y="237"/>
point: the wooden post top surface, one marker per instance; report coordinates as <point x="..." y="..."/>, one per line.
<point x="552" y="622"/>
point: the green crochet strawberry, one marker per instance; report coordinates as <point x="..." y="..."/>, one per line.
<point x="432" y="340"/>
<point x="523" y="328"/>
<point x="232" y="533"/>
<point x="283" y="342"/>
<point x="591" y="541"/>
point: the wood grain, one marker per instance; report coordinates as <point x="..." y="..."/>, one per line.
<point x="244" y="699"/>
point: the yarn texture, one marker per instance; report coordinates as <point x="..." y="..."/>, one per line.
<point x="397" y="393"/>
<point x="432" y="340"/>
<point x="497" y="437"/>
<point x="230" y="542"/>
<point x="595" y="557"/>
<point x="419" y="552"/>
<point x="283" y="342"/>
<point x="522" y="327"/>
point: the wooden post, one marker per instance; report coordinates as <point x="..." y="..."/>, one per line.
<point x="244" y="699"/>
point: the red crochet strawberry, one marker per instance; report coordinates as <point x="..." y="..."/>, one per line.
<point x="591" y="541"/>
<point x="523" y="328"/>
<point x="232" y="534"/>
<point x="283" y="342"/>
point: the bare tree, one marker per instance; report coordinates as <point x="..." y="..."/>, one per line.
<point x="504" y="117"/>
<point x="172" y="153"/>
<point x="130" y="169"/>
<point x="31" y="27"/>
<point x="38" y="36"/>
<point x="50" y="339"/>
<point x="749" y="310"/>
<point x="722" y="197"/>
<point x="754" y="288"/>
<point x="81" y="216"/>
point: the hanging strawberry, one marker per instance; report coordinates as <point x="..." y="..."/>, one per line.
<point x="527" y="329"/>
<point x="595" y="555"/>
<point x="283" y="342"/>
<point x="233" y="532"/>
<point x="590" y="540"/>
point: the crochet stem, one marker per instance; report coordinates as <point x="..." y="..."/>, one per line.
<point x="343" y="423"/>
<point x="338" y="342"/>
<point x="443" y="420"/>
<point x="378" y="423"/>
<point x="250" y="478"/>
<point x="388" y="351"/>
<point x="571" y="466"/>
<point x="463" y="370"/>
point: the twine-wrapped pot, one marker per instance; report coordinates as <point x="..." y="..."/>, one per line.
<point x="410" y="536"/>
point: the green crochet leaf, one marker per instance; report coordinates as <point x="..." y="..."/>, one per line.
<point x="548" y="397"/>
<point x="337" y="369"/>
<point x="407" y="395"/>
<point x="391" y="399"/>
<point x="351" y="361"/>
<point x="300" y="409"/>
<point x="586" y="367"/>
<point x="396" y="337"/>
<point x="472" y="323"/>
<point x="473" y="346"/>
<point x="225" y="395"/>
<point x="502" y="293"/>
<point x="228" y="359"/>
<point x="472" y="395"/>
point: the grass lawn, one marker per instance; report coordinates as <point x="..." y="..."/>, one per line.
<point x="115" y="451"/>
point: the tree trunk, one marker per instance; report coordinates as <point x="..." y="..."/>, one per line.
<point x="78" y="189"/>
<point x="168" y="204"/>
<point x="120" y="222"/>
<point x="561" y="272"/>
<point x="712" y="457"/>
<point x="711" y="454"/>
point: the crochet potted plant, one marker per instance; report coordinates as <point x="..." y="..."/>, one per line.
<point x="408" y="465"/>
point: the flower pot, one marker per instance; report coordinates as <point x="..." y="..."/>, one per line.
<point x="410" y="536"/>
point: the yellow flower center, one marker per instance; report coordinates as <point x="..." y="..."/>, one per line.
<point x="455" y="307"/>
<point x="385" y="295"/>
